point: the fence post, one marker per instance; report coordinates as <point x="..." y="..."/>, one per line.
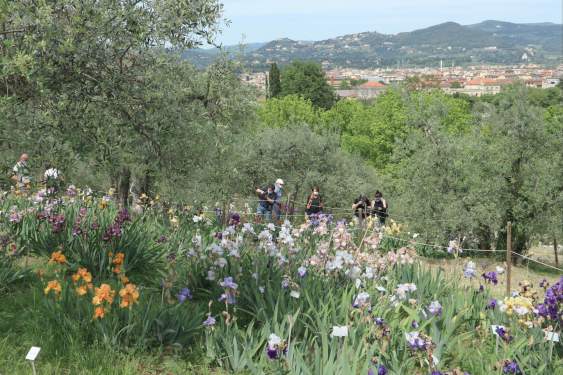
<point x="508" y="256"/>
<point x="286" y="206"/>
<point x="555" y="251"/>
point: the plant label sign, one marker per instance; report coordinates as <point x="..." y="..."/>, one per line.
<point x="33" y="353"/>
<point x="552" y="336"/>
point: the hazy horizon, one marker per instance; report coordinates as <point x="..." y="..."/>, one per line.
<point x="310" y="20"/>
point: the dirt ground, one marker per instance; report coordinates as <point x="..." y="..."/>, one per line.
<point x="453" y="269"/>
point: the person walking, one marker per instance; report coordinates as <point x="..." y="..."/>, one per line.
<point x="314" y="202"/>
<point x="20" y="173"/>
<point x="266" y="201"/>
<point x="278" y="190"/>
<point x="379" y="208"/>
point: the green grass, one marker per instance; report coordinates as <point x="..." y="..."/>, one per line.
<point x="22" y="328"/>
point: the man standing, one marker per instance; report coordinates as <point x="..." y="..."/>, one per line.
<point x="266" y="202"/>
<point x="277" y="204"/>
<point x="20" y="173"/>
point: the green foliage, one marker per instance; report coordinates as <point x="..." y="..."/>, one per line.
<point x="304" y="159"/>
<point x="307" y="80"/>
<point x="287" y="111"/>
<point x="274" y="82"/>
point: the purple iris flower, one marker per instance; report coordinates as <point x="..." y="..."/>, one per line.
<point x="491" y="277"/>
<point x="414" y="324"/>
<point x="503" y="334"/>
<point x="228" y="283"/>
<point x="184" y="294"/>
<point x="511" y="367"/>
<point x="210" y="321"/>
<point x="381" y="370"/>
<point x="122" y="216"/>
<point x="492" y="304"/>
<point x="379" y="321"/>
<point x="435" y="308"/>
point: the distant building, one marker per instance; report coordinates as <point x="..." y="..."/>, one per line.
<point x="368" y="90"/>
<point x="550" y="82"/>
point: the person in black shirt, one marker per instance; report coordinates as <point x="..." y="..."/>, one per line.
<point x="361" y="204"/>
<point x="379" y="207"/>
<point x="266" y="199"/>
<point x="314" y="202"/>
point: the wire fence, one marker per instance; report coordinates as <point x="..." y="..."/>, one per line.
<point x="347" y="212"/>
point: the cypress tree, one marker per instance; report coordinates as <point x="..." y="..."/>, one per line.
<point x="274" y="81"/>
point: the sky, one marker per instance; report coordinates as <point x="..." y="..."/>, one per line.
<point x="264" y="20"/>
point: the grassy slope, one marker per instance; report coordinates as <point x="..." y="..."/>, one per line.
<point x="21" y="329"/>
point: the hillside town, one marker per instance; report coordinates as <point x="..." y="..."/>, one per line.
<point x="472" y="81"/>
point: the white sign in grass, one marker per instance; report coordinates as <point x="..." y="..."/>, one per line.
<point x="33" y="353"/>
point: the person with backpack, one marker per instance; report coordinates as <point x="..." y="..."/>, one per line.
<point x="360" y="207"/>
<point x="266" y="201"/>
<point x="379" y="208"/>
<point x="314" y="202"/>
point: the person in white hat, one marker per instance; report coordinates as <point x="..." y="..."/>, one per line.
<point x="277" y="204"/>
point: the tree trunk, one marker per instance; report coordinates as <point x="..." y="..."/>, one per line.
<point x="124" y="185"/>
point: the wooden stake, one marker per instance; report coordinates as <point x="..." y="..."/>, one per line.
<point x="555" y="252"/>
<point x="508" y="256"/>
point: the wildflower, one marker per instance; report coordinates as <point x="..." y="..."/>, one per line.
<point x="379" y="321"/>
<point x="230" y="290"/>
<point x="81" y="290"/>
<point x="129" y="296"/>
<point x="228" y="283"/>
<point x="210" y="321"/>
<point x="414" y="324"/>
<point x="435" y="308"/>
<point x="381" y="370"/>
<point x="103" y="294"/>
<point x="339" y="331"/>
<point x="51" y="173"/>
<point x="418" y="341"/>
<point x="519" y="305"/>
<point x="511" y="367"/>
<point x="118" y="259"/>
<point x="469" y="270"/>
<point x="503" y="334"/>
<point x="551" y="306"/>
<point x="15" y="217"/>
<point x="57" y="257"/>
<point x="53" y="285"/>
<point x="99" y="313"/>
<point x="184" y="294"/>
<point x="83" y="274"/>
<point x="361" y="300"/>
<point x="302" y="271"/>
<point x="492" y="304"/>
<point x="276" y="347"/>
<point x="490" y="277"/>
<point x="403" y="289"/>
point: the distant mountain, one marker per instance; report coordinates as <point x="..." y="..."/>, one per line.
<point x="488" y="42"/>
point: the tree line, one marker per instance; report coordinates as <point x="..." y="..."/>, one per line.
<point x="99" y="90"/>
